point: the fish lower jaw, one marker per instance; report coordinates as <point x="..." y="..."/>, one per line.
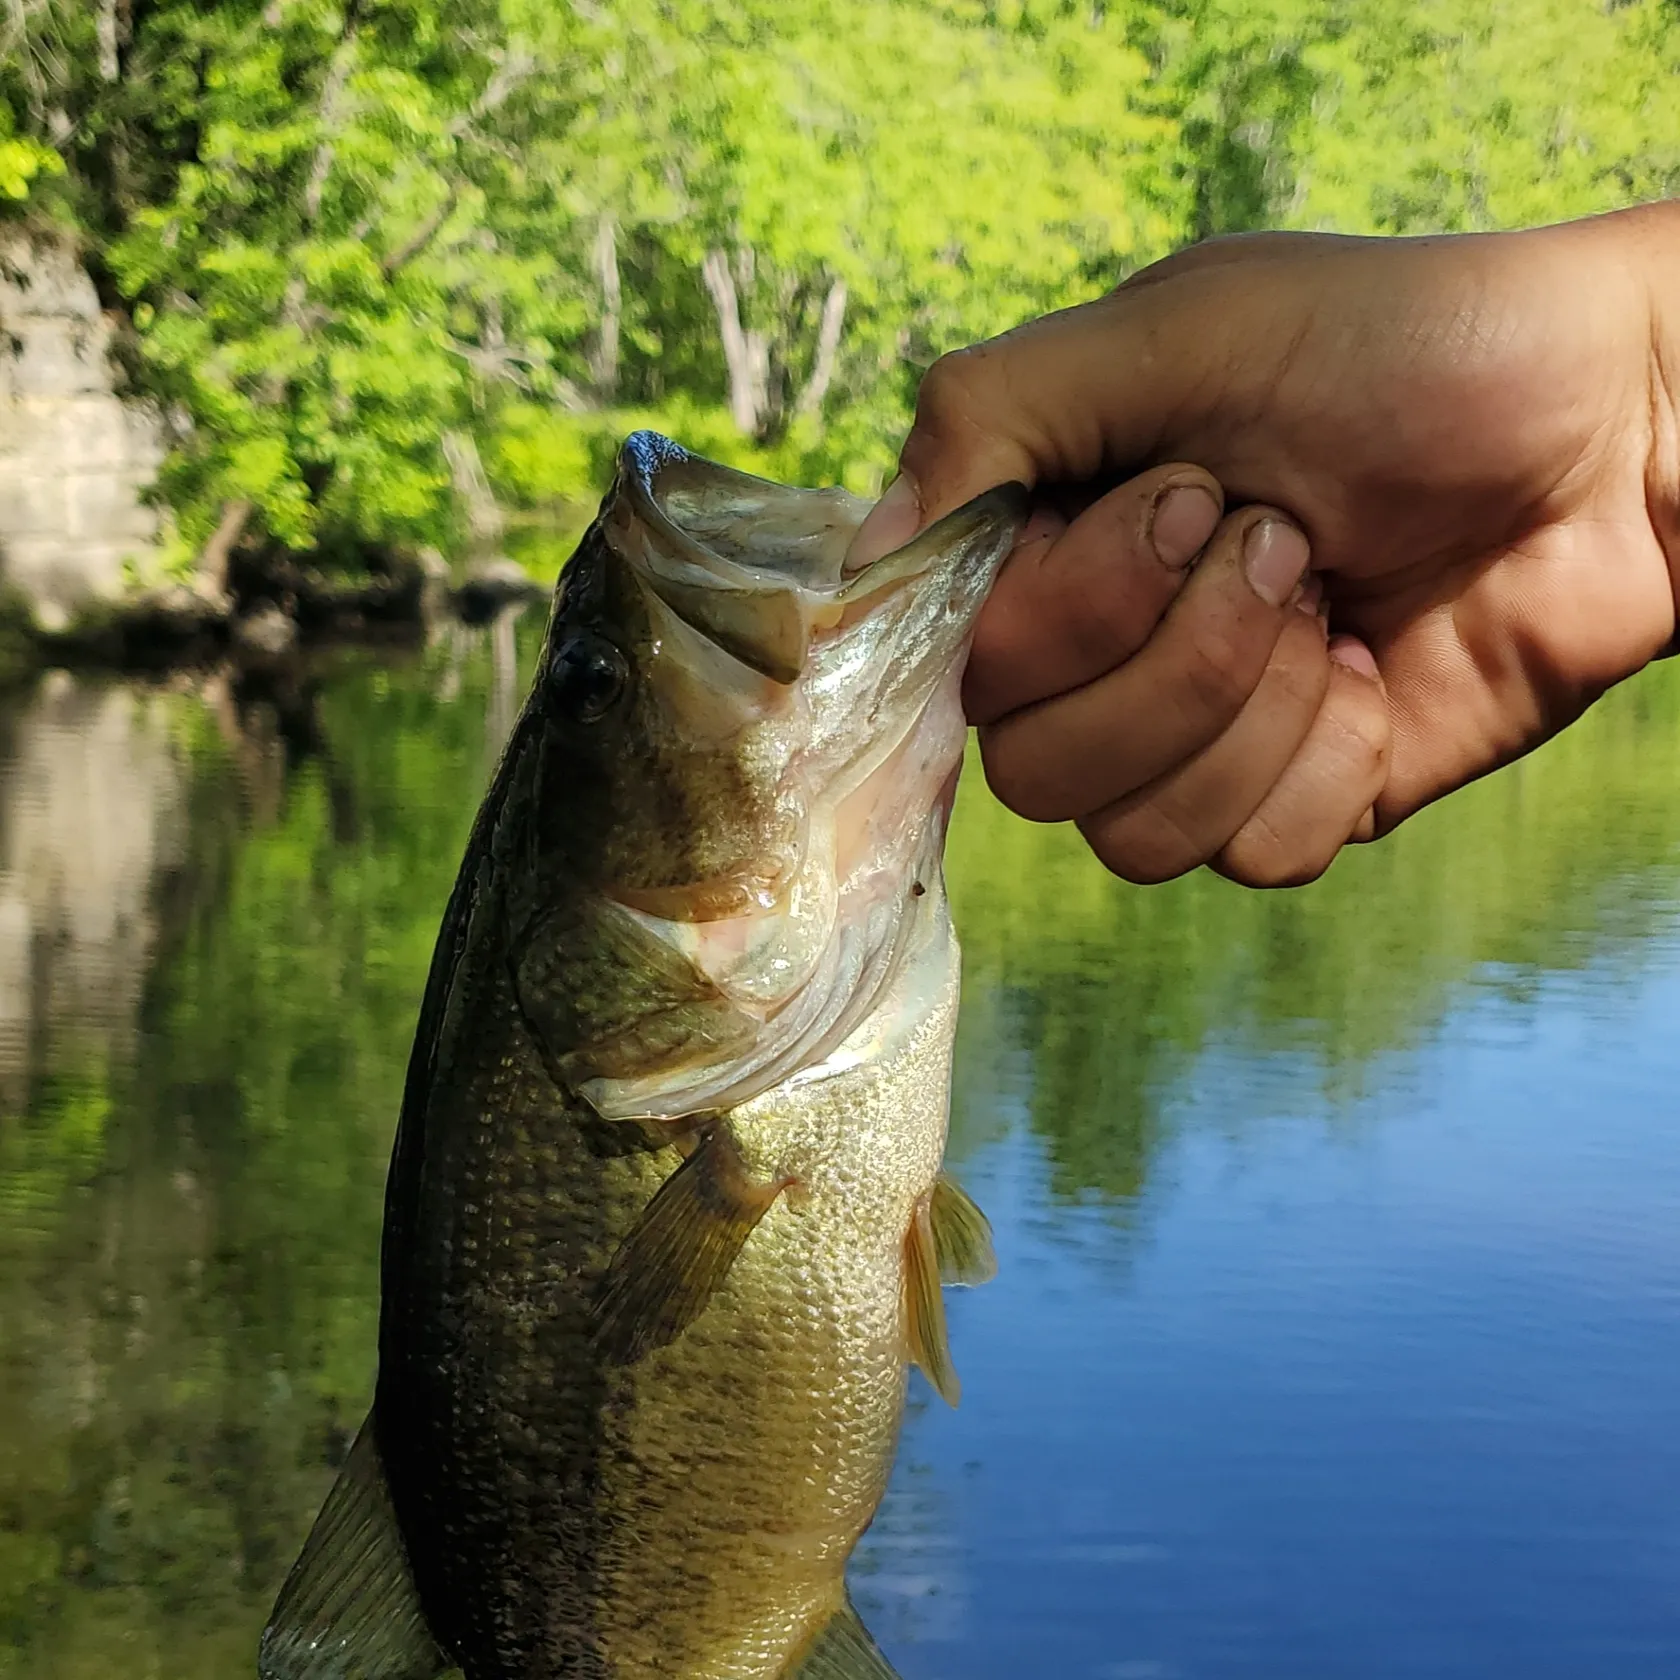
<point x="807" y="980"/>
<point x="885" y="965"/>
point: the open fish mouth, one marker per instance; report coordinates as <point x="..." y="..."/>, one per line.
<point x="847" y="684"/>
<point x="759" y="568"/>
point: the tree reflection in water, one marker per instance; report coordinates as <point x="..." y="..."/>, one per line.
<point x="217" y="904"/>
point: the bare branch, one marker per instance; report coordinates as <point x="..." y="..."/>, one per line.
<point x="512" y="68"/>
<point x="570" y="397"/>
<point x="496" y="362"/>
<point x="422" y="236"/>
<point x="833" y="323"/>
<point x="29" y="40"/>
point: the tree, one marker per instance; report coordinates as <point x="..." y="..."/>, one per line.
<point x="346" y="231"/>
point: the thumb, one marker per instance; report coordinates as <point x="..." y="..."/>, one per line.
<point x="1062" y="399"/>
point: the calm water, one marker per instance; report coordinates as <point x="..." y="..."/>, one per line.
<point x="1336" y="1329"/>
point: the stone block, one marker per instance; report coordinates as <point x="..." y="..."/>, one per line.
<point x="60" y="576"/>
<point x="74" y="458"/>
<point x="40" y="506"/>
<point x="105" y="507"/>
<point x="144" y="426"/>
<point x="38" y="277"/>
<point x="33" y="566"/>
<point x="57" y="359"/>
<point x="16" y="977"/>
<point x="84" y="434"/>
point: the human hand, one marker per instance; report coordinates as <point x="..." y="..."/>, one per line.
<point x="1476" y="436"/>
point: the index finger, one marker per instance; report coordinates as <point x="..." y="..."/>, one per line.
<point x="1085" y="392"/>
<point x="1066" y="610"/>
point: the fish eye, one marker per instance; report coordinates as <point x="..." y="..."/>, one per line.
<point x="586" y="675"/>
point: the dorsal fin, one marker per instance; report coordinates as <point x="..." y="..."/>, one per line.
<point x="349" y="1609"/>
<point x="843" y="1651"/>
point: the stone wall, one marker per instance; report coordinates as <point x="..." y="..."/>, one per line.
<point x="73" y="457"/>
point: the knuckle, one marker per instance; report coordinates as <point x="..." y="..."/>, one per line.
<point x="1300" y="669"/>
<point x="1143" y="845"/>
<point x="1215" y="677"/>
<point x="1362" y="741"/>
<point x="1258" y="856"/>
<point x="1020" y="773"/>
<point x="949" y="390"/>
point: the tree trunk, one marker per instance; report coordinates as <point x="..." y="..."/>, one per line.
<point x="472" y="486"/>
<point x="332" y="91"/>
<point x="213" y="558"/>
<point x="810" y="399"/>
<point x="744" y="352"/>
<point x="105" y="29"/>
<point x="603" y="356"/>
<point x="293" y="312"/>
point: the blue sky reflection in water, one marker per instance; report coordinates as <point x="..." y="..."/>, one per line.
<point x="1335" y="1334"/>
<point x="1383" y="1392"/>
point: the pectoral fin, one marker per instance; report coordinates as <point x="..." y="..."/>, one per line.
<point x="672" y="1263"/>
<point x="962" y="1235"/>
<point x="843" y="1651"/>
<point x="924" y="1307"/>
<point x="349" y="1609"/>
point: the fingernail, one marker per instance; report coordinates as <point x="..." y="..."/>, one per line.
<point x="1181" y="523"/>
<point x="1353" y="653"/>
<point x="1274" y="557"/>
<point x="1309" y="598"/>
<point x="890" y="524"/>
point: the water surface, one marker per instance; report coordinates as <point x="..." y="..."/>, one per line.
<point x="1336" y="1328"/>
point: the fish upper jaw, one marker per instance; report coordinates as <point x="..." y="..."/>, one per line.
<point x="759" y="568"/>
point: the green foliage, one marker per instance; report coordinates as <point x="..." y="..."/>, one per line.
<point x="1447" y="116"/>
<point x="347" y="229"/>
<point x="21" y="160"/>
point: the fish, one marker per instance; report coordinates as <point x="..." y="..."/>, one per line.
<point x="666" y="1222"/>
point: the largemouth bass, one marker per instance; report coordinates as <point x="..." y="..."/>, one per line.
<point x="665" y="1222"/>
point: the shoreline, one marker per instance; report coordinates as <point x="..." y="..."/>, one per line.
<point x="271" y="610"/>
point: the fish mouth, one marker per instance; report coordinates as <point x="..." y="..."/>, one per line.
<point x="759" y="568"/>
<point x="843" y="688"/>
